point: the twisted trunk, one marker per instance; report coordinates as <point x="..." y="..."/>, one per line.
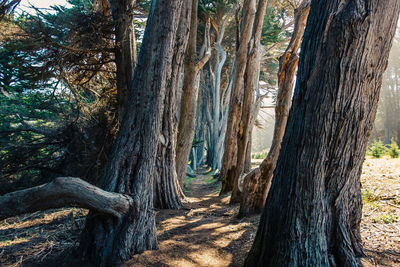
<point x="219" y="99"/>
<point x="167" y="191"/>
<point x="313" y="211"/>
<point x="257" y="182"/>
<point x="106" y="241"/>
<point x="242" y="99"/>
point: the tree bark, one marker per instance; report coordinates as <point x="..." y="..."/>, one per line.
<point x="64" y="192"/>
<point x="218" y="98"/>
<point x="191" y="80"/>
<point x="256" y="183"/>
<point x="313" y="211"/>
<point x="130" y="169"/>
<point x="242" y="100"/>
<point x="125" y="49"/>
<point x="167" y="191"/>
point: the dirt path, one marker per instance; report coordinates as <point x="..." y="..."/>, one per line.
<point x="204" y="233"/>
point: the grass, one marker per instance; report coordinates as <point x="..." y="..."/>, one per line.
<point x="260" y="155"/>
<point x="188" y="181"/>
<point x="386" y="218"/>
<point x="369" y="197"/>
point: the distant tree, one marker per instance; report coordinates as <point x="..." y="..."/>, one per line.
<point x="245" y="80"/>
<point x="256" y="183"/>
<point x="217" y="87"/>
<point x="191" y="82"/>
<point x="387" y="125"/>
<point x="313" y="211"/>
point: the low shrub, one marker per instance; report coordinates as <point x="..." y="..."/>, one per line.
<point x="260" y="155"/>
<point x="377" y="149"/>
<point x="394" y="151"/>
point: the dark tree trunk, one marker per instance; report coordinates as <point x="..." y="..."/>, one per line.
<point x="257" y="182"/>
<point x="313" y="211"/>
<point x="107" y="241"/>
<point x="191" y="83"/>
<point x="125" y="49"/>
<point x="167" y="191"/>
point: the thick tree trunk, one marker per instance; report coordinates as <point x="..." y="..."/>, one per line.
<point x="242" y="100"/>
<point x="191" y="83"/>
<point x="313" y="211"/>
<point x="167" y="191"/>
<point x="125" y="49"/>
<point x="256" y="183"/>
<point x="106" y="241"/>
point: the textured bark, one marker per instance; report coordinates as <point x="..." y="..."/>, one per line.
<point x="130" y="169"/>
<point x="167" y="191"/>
<point x="191" y="83"/>
<point x="64" y="192"/>
<point x="217" y="110"/>
<point x="125" y="49"/>
<point x="256" y="183"/>
<point x="242" y="101"/>
<point x="313" y="211"/>
<point x="247" y="158"/>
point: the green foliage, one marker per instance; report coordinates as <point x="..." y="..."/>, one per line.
<point x="369" y="197"/>
<point x="211" y="6"/>
<point x="188" y="181"/>
<point x="260" y="155"/>
<point x="54" y="68"/>
<point x="377" y="149"/>
<point x="197" y="142"/>
<point x="389" y="218"/>
<point x="273" y="29"/>
<point x="394" y="151"/>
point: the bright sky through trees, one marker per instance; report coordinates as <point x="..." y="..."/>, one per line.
<point x="25" y="4"/>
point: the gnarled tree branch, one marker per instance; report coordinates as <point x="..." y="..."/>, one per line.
<point x="64" y="192"/>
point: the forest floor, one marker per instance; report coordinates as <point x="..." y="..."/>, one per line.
<point x="205" y="232"/>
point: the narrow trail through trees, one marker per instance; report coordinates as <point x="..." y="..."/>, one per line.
<point x="205" y="232"/>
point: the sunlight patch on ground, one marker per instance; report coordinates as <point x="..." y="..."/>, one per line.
<point x="380" y="226"/>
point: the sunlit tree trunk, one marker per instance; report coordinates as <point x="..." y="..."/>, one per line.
<point x="242" y="100"/>
<point x="256" y="183"/>
<point x="219" y="98"/>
